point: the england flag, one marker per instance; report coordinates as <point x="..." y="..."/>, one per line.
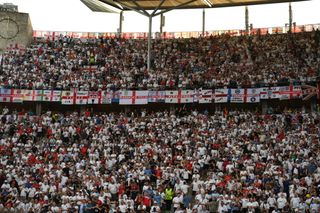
<point x="222" y="95"/>
<point x="133" y="97"/>
<point x="179" y="96"/>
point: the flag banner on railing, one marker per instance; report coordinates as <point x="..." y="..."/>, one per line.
<point x="11" y="95"/>
<point x="95" y="97"/>
<point x="196" y="95"/>
<point x="237" y="96"/>
<point x="269" y="93"/>
<point x="133" y="97"/>
<point x="310" y="91"/>
<point x="67" y="98"/>
<point x="156" y="96"/>
<point x="252" y="95"/>
<point x="81" y="97"/>
<point x="290" y="92"/>
<point x="17" y="96"/>
<point x="115" y="96"/>
<point x="247" y="95"/>
<point x="222" y="95"/>
<point x="6" y="95"/>
<point x="106" y="97"/>
<point x="205" y="96"/>
<point x="179" y="96"/>
<point x="51" y="95"/>
<point x="32" y="95"/>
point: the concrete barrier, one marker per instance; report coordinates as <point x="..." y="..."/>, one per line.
<point x="15" y="30"/>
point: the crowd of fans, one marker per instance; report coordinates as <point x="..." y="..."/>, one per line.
<point x="178" y="161"/>
<point x="175" y="63"/>
<point x="175" y="161"/>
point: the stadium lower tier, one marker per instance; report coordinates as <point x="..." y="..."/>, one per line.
<point x="166" y="161"/>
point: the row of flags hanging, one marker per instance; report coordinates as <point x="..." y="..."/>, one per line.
<point x="140" y="97"/>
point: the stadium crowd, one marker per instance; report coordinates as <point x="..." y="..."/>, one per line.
<point x="178" y="161"/>
<point x="214" y="61"/>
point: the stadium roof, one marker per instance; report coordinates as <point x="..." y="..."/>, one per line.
<point x="143" y="5"/>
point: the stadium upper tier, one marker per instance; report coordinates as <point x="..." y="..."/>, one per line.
<point x="175" y="63"/>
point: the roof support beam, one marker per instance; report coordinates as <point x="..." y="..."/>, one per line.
<point x="162" y="21"/>
<point x="290" y="18"/>
<point x="143" y="12"/>
<point x="176" y="7"/>
<point x="246" y="20"/>
<point x="203" y="22"/>
<point x="157" y="8"/>
<point x="120" y="22"/>
<point x="149" y="44"/>
<point x="140" y="8"/>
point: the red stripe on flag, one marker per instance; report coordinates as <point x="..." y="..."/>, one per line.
<point x="11" y="95"/>
<point x="99" y="97"/>
<point x="133" y="95"/>
<point x="179" y="96"/>
<point x="74" y="97"/>
<point x="51" y="96"/>
<point x="245" y="95"/>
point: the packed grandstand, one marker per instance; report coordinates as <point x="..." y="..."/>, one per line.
<point x="115" y="63"/>
<point x="172" y="160"/>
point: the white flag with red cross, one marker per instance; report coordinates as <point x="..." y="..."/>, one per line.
<point x="33" y="95"/>
<point x="222" y="95"/>
<point x="17" y="96"/>
<point x="133" y="97"/>
<point x="290" y="92"/>
<point x="179" y="96"/>
<point x="81" y="97"/>
<point x="11" y="95"/>
<point x="51" y="95"/>
<point x="269" y="93"/>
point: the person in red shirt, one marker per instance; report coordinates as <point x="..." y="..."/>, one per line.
<point x="134" y="190"/>
<point x="32" y="159"/>
<point x="158" y="172"/>
<point x="146" y="200"/>
<point x="122" y="189"/>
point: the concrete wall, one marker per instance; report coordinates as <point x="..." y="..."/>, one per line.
<point x="24" y="36"/>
